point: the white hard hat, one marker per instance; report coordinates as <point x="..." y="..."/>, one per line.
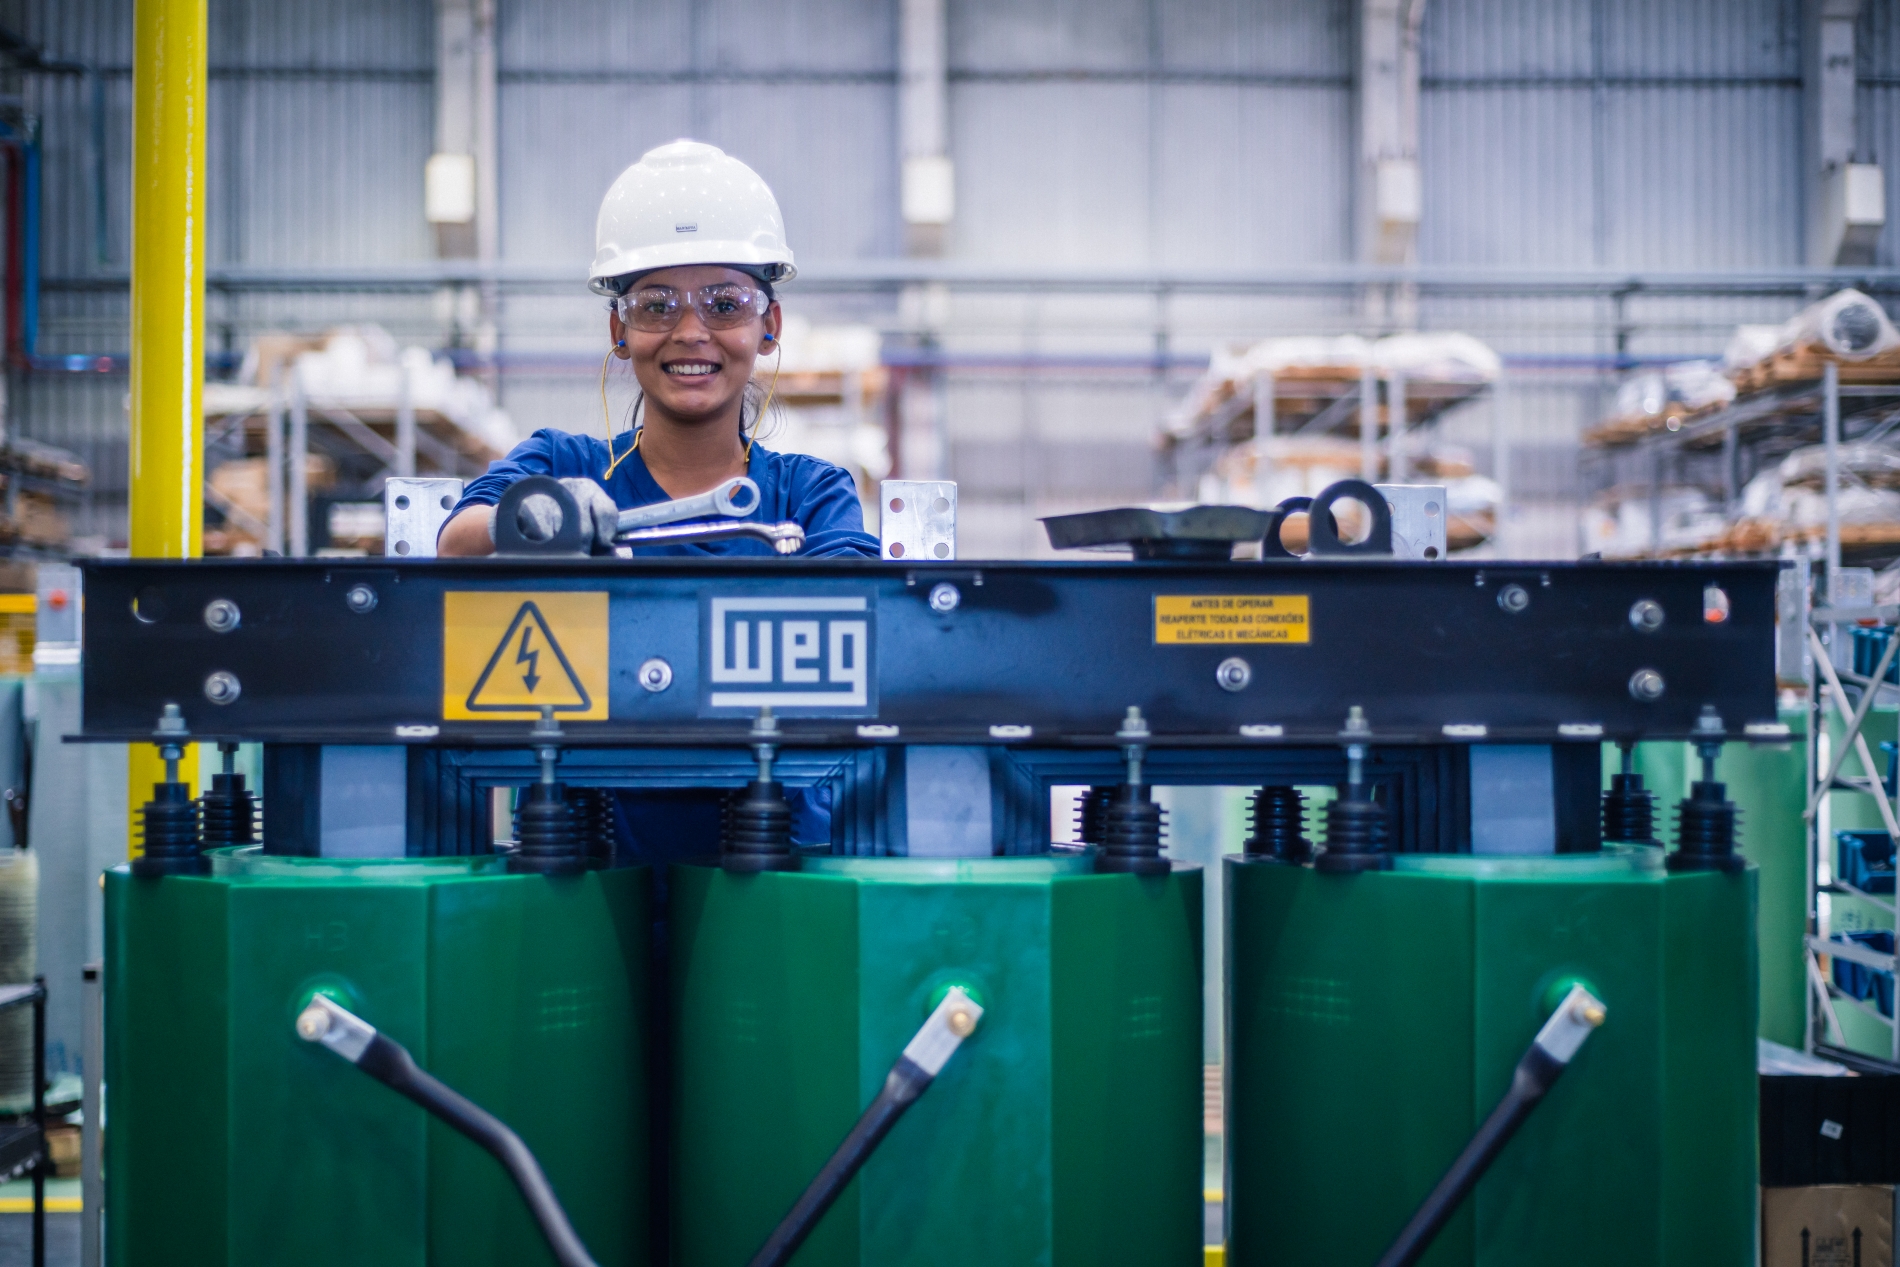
<point x="688" y="203"/>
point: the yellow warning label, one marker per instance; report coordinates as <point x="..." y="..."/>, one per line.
<point x="506" y="656"/>
<point x="1231" y="618"/>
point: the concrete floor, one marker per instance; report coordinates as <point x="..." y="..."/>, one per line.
<point x="62" y="1230"/>
<point x="62" y="1240"/>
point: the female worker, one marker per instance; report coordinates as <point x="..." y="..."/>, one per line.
<point x="688" y="245"/>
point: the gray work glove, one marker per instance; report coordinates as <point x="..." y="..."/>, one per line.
<point x="600" y="517"/>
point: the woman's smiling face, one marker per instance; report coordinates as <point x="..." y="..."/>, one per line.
<point x="691" y="372"/>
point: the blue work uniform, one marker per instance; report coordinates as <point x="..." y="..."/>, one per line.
<point x="663" y="826"/>
<point x="811" y="492"/>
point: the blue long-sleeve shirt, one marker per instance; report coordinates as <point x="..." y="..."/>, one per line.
<point x="811" y="492"/>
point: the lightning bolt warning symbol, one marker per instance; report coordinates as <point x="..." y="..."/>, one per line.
<point x="527" y="647"/>
<point x="525" y="656"/>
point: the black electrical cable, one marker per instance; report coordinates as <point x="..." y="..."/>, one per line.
<point x="902" y="1086"/>
<point x="1535" y="1074"/>
<point x="390" y="1063"/>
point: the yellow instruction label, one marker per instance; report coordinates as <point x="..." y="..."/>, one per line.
<point x="1183" y="618"/>
<point x="506" y="656"/>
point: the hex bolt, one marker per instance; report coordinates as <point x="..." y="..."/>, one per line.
<point x="361" y="598"/>
<point x="1133" y="733"/>
<point x="1514" y="598"/>
<point x="655" y="675"/>
<point x="944" y="597"/>
<point x="221" y="615"/>
<point x="1233" y="674"/>
<point x="222" y="687"/>
<point x="1646" y="685"/>
<point x="1646" y="615"/>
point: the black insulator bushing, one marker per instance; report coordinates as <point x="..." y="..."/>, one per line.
<point x="1629" y="810"/>
<point x="758" y="830"/>
<point x="1131" y="833"/>
<point x="1356" y="835"/>
<point x="548" y="839"/>
<point x="1091" y="815"/>
<point x="228" y="812"/>
<point x="1279" y="825"/>
<point x="594" y="820"/>
<point x="169" y="826"/>
<point x="1706" y="831"/>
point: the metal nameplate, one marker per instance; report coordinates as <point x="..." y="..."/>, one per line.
<point x="804" y="656"/>
<point x="1199" y="618"/>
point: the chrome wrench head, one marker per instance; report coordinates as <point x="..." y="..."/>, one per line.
<point x="784" y="538"/>
<point x="736" y="497"/>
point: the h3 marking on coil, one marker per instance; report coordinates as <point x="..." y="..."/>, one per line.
<point x="811" y="656"/>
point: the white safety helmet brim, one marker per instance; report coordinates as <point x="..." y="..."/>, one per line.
<point x="688" y="203"/>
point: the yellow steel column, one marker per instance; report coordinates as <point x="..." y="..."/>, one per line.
<point x="168" y="288"/>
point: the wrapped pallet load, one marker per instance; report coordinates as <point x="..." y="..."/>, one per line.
<point x="1847" y="327"/>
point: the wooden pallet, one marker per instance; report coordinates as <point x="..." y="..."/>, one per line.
<point x="1629" y="428"/>
<point x="1765" y="537"/>
<point x="1807" y="362"/>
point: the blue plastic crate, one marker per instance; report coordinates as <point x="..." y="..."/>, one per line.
<point x="1869" y="645"/>
<point x="1864" y="859"/>
<point x="1863" y="983"/>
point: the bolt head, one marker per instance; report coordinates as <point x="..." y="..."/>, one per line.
<point x="221" y="615"/>
<point x="655" y="675"/>
<point x="1646" y="686"/>
<point x="1646" y="615"/>
<point x="312" y="1023"/>
<point x="222" y="687"/>
<point x="1514" y="598"/>
<point x="944" y="597"/>
<point x="361" y="598"/>
<point x="1233" y="674"/>
<point x="961" y="1023"/>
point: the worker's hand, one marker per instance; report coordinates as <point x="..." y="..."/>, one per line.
<point x="600" y="517"/>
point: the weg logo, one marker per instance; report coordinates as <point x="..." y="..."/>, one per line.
<point x="798" y="655"/>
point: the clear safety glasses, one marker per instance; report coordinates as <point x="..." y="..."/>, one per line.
<point x="724" y="306"/>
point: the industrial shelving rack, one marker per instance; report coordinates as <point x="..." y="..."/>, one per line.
<point x="1829" y="686"/>
<point x="1387" y="411"/>
<point x="1721" y="449"/>
<point x="280" y="422"/>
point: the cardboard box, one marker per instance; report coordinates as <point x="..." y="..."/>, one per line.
<point x="62" y="1149"/>
<point x="1829" y="1226"/>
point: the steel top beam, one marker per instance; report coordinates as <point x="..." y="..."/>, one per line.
<point x="850" y="652"/>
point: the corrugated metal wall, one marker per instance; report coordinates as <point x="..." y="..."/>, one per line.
<point x="1203" y="135"/>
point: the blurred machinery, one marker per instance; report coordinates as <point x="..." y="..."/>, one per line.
<point x="1475" y="900"/>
